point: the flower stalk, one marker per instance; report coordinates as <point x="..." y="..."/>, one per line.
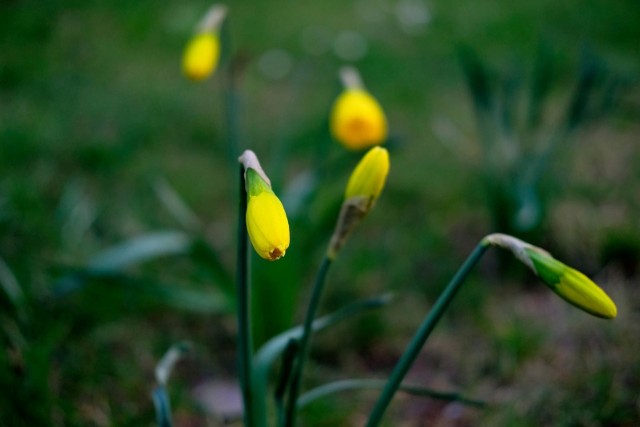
<point x="303" y="349"/>
<point x="245" y="350"/>
<point x="423" y="333"/>
<point x="363" y="189"/>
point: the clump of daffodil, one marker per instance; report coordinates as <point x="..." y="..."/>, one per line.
<point x="202" y="53"/>
<point x="570" y="284"/>
<point x="357" y="120"/>
<point x="267" y="223"/>
<point x="363" y="189"/>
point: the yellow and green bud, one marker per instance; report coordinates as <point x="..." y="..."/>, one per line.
<point x="570" y="284"/>
<point x="357" y="119"/>
<point x="202" y="54"/>
<point x="363" y="189"/>
<point x="267" y="223"/>
<point x="369" y="176"/>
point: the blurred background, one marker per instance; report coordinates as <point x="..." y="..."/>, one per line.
<point x="118" y="198"/>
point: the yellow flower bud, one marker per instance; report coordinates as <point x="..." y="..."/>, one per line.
<point x="370" y="175"/>
<point x="573" y="286"/>
<point x="201" y="56"/>
<point x="202" y="53"/>
<point x="570" y="284"/>
<point x="357" y="120"/>
<point x="364" y="188"/>
<point x="267" y="223"/>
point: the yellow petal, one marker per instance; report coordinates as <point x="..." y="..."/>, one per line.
<point x="370" y="175"/>
<point x="201" y="56"/>
<point x="267" y="225"/>
<point x="580" y="291"/>
<point x="357" y="120"/>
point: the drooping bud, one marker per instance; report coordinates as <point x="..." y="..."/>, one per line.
<point x="363" y="189"/>
<point x="202" y="53"/>
<point x="570" y="284"/>
<point x="267" y="223"/>
<point x="357" y="120"/>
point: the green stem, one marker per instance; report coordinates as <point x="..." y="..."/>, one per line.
<point x="303" y="350"/>
<point x="245" y="352"/>
<point x="163" y="408"/>
<point x="288" y="359"/>
<point x="416" y="344"/>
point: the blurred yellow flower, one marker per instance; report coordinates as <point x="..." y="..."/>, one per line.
<point x="267" y="223"/>
<point x="202" y="53"/>
<point x="357" y="120"/>
<point x="201" y="56"/>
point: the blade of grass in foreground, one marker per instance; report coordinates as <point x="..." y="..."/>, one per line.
<point x="368" y="384"/>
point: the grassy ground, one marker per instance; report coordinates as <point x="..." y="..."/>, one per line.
<point x="93" y="111"/>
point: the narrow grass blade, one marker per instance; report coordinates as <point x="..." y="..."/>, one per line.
<point x="590" y="77"/>
<point x="163" y="408"/>
<point x="288" y="360"/>
<point x="369" y="384"/>
<point x="167" y="363"/>
<point x="141" y="249"/>
<point x="76" y="213"/>
<point x="163" y="372"/>
<point x="10" y="285"/>
<point x="511" y="85"/>
<point x="175" y="205"/>
<point x="142" y="292"/>
<point x="541" y="82"/>
<point x="477" y="79"/>
<point x="208" y="260"/>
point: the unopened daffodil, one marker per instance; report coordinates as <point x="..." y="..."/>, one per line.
<point x="202" y="54"/>
<point x="357" y="120"/>
<point x="570" y="284"/>
<point x="267" y="223"/>
<point x="363" y="189"/>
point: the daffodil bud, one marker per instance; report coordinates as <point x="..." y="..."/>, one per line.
<point x="202" y="53"/>
<point x="369" y="176"/>
<point x="266" y="218"/>
<point x="357" y="120"/>
<point x="570" y="284"/>
<point x="363" y="189"/>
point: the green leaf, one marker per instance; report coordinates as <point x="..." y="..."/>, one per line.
<point x="163" y="408"/>
<point x="10" y="285"/>
<point x="207" y="258"/>
<point x="275" y="347"/>
<point x="140" y="292"/>
<point x="174" y="204"/>
<point x="478" y="81"/>
<point x="541" y="82"/>
<point x="140" y="249"/>
<point x="367" y="384"/>
<point x="165" y="366"/>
